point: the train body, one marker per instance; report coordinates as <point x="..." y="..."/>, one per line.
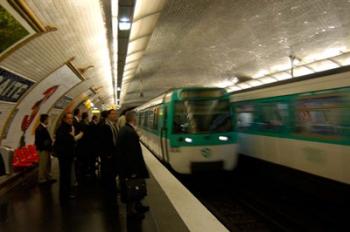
<point x="303" y="125"/>
<point x="190" y="129"/>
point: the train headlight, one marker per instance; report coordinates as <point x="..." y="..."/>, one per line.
<point x="188" y="140"/>
<point x="223" y="138"/>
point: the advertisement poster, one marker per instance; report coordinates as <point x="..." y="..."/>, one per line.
<point x="12" y="86"/>
<point x="37" y="102"/>
<point x="63" y="102"/>
<point x="5" y="110"/>
<point x="54" y="117"/>
<point x="78" y="100"/>
<point x="13" y="27"/>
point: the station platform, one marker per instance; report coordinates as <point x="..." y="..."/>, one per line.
<point x="37" y="207"/>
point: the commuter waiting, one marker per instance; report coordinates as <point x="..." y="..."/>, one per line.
<point x="93" y="145"/>
<point x="83" y="148"/>
<point x="77" y="135"/>
<point x="43" y="143"/>
<point x="108" y="143"/>
<point x="132" y="165"/>
<point x="65" y="150"/>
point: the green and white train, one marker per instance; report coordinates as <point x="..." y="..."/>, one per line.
<point x="304" y="125"/>
<point x="191" y="129"/>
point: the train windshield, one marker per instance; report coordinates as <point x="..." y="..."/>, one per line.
<point x="202" y="116"/>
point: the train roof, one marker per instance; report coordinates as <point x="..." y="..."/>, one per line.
<point x="330" y="79"/>
<point x="167" y="95"/>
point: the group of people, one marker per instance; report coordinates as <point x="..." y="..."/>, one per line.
<point x="79" y="144"/>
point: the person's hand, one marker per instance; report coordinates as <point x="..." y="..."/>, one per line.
<point x="79" y="136"/>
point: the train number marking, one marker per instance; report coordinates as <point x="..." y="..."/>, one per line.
<point x="206" y="152"/>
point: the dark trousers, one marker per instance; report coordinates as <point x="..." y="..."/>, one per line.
<point x="65" y="168"/>
<point x="108" y="175"/>
<point x="92" y="157"/>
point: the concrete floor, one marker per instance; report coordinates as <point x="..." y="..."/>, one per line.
<point x="37" y="208"/>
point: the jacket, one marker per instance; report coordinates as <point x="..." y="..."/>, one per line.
<point x="107" y="146"/>
<point x="43" y="141"/>
<point x="131" y="159"/>
<point x="65" y="143"/>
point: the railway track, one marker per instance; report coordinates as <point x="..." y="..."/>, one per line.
<point x="254" y="203"/>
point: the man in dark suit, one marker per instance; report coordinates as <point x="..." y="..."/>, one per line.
<point x="65" y="148"/>
<point x="43" y="143"/>
<point x="132" y="164"/>
<point x="77" y="131"/>
<point x="76" y="121"/>
<point x="83" y="148"/>
<point x="108" y="146"/>
<point x="93" y="145"/>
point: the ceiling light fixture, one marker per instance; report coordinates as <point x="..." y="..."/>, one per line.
<point x="124" y="24"/>
<point x="325" y="62"/>
<point x="145" y="17"/>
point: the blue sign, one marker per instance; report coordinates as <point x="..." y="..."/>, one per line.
<point x="12" y="86"/>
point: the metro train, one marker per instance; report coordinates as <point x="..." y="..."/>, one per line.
<point x="304" y="125"/>
<point x="191" y="129"/>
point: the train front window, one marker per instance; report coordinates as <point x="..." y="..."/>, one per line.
<point x="202" y="116"/>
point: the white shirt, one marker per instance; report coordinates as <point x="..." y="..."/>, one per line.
<point x="43" y="125"/>
<point x="114" y="131"/>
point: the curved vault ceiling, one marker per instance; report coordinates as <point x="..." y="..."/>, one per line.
<point x="205" y="42"/>
<point x="81" y="34"/>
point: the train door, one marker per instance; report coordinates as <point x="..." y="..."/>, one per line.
<point x="163" y="134"/>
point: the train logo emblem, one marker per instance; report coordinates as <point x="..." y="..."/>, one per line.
<point x="206" y="152"/>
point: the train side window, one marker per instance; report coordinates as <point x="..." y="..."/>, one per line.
<point x="273" y="116"/>
<point x="245" y="116"/>
<point x="145" y="119"/>
<point x="322" y="116"/>
<point x="150" y="119"/>
<point x="156" y="118"/>
<point x="141" y="119"/>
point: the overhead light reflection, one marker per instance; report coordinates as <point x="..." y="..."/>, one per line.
<point x="282" y="76"/>
<point x="124" y="26"/>
<point x="261" y="73"/>
<point x="328" y="53"/>
<point x="302" y="71"/>
<point x="268" y="79"/>
<point x="324" y="65"/>
<point x="255" y="83"/>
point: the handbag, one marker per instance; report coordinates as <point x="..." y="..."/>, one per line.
<point x="135" y="188"/>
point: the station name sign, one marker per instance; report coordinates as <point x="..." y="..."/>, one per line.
<point x="12" y="86"/>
